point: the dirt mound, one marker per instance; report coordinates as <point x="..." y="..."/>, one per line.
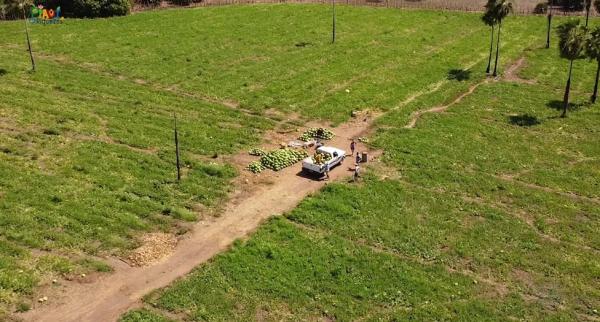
<point x="155" y="246"/>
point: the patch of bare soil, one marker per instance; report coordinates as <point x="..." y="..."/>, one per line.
<point x="523" y="277"/>
<point x="512" y="73"/>
<point x="155" y="246"/>
<point x="492" y="288"/>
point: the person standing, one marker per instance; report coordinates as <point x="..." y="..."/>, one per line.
<point x="358" y="159"/>
<point x="318" y="143"/>
<point x="356" y="172"/>
<point x="326" y="171"/>
<point x="352" y="146"/>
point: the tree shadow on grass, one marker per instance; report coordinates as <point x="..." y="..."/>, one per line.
<point x="558" y="105"/>
<point x="302" y="44"/>
<point x="459" y="74"/>
<point x="3" y="71"/>
<point x="524" y="120"/>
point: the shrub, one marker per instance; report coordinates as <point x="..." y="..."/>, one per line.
<point x="9" y="9"/>
<point x="98" y="8"/>
<point x="569" y="5"/>
<point x="148" y="3"/>
<point x="184" y="2"/>
<point x="541" y="8"/>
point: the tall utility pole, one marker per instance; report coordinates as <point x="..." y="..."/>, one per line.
<point x="549" y="23"/>
<point x="333" y="29"/>
<point x="28" y="40"/>
<point x="177" y="149"/>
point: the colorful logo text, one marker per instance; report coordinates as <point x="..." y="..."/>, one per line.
<point x="42" y="15"/>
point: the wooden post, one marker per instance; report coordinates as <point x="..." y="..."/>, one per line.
<point x="549" y="24"/>
<point x="177" y="149"/>
<point x="28" y="40"/>
<point x="333" y="29"/>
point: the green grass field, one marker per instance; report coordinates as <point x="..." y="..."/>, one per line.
<point x="489" y="211"/>
<point x="87" y="163"/>
<point x="444" y="237"/>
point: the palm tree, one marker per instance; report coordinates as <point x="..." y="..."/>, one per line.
<point x="592" y="51"/>
<point x="571" y="43"/>
<point x="490" y="20"/>
<point x="502" y="10"/>
<point x="550" y="23"/>
<point x="588" y="5"/>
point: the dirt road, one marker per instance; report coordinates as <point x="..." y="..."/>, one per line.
<point x="110" y="296"/>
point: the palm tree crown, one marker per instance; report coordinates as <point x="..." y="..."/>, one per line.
<point x="571" y="35"/>
<point x="503" y="9"/>
<point x="489" y="19"/>
<point x="592" y="44"/>
<point x="592" y="51"/>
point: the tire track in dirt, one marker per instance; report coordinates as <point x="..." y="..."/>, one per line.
<point x="438" y="109"/>
<point x="512" y="73"/>
<point x="432" y="88"/>
<point x="570" y="195"/>
<point x="510" y="76"/>
<point x="528" y="220"/>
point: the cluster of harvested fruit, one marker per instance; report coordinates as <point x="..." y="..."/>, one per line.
<point x="257" y="152"/>
<point x="277" y="160"/>
<point x="316" y="133"/>
<point x="285" y="157"/>
<point x="256" y="167"/>
<point x="282" y="158"/>
<point x="363" y="139"/>
<point x="321" y="158"/>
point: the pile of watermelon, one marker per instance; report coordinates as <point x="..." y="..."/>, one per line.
<point x="316" y="133"/>
<point x="256" y="167"/>
<point x="282" y="158"/>
<point x="257" y="152"/>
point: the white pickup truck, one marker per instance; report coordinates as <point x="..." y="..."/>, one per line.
<point x="333" y="157"/>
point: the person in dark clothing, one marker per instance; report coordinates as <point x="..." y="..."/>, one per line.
<point x="358" y="159"/>
<point x="352" y="146"/>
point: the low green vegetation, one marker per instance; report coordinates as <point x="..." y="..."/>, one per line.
<point x="279" y="57"/>
<point x="87" y="162"/>
<point x="486" y="212"/>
